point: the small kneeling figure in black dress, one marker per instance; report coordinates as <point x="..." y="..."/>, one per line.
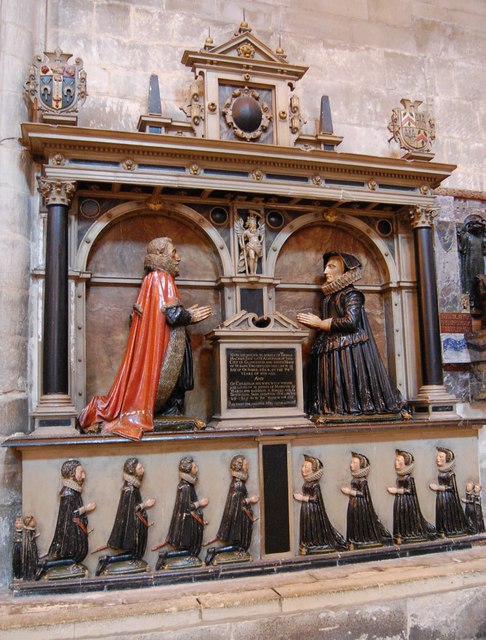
<point x="364" y="528"/>
<point x="409" y="525"/>
<point x="236" y="525"/>
<point x="450" y="519"/>
<point x="317" y="535"/>
<point x="130" y="530"/>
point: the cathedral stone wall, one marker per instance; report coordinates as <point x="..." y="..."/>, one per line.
<point x="364" y="54"/>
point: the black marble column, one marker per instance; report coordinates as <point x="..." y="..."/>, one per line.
<point x="428" y="304"/>
<point x="55" y="364"/>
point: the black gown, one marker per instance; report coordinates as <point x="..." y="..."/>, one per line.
<point x="346" y="373"/>
<point x="130" y="530"/>
<point x="450" y="518"/>
<point x="363" y="525"/>
<point x="237" y="522"/>
<point x="187" y="524"/>
<point x="478" y="519"/>
<point x="30" y="557"/>
<point x="408" y="521"/>
<point x="70" y="541"/>
<point x="316" y="529"/>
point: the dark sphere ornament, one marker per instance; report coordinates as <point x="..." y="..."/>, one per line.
<point x="247" y="114"/>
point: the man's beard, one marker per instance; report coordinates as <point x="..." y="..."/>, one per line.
<point x="163" y="261"/>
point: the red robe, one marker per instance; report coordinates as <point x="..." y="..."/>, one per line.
<point x="128" y="408"/>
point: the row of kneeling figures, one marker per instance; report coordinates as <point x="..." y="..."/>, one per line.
<point x="128" y="539"/>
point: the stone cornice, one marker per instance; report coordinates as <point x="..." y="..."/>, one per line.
<point x="74" y="153"/>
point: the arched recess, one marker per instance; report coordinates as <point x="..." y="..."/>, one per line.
<point x="111" y="254"/>
<point x="172" y="210"/>
<point x="295" y="261"/>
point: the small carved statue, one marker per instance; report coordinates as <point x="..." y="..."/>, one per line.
<point x="17" y="549"/>
<point x="129" y="533"/>
<point x="156" y="370"/>
<point x="251" y="235"/>
<point x="469" y="501"/>
<point x="409" y="525"/>
<point x="364" y="528"/>
<point x="317" y="535"/>
<point x="30" y="555"/>
<point x="236" y="525"/>
<point x="69" y="546"/>
<point x="474" y="508"/>
<point x="187" y="523"/>
<point x="478" y="510"/>
<point x="450" y="519"/>
<point x="25" y="555"/>
<point x="346" y="374"/>
<point x="471" y="242"/>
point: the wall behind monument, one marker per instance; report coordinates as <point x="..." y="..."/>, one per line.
<point x="365" y="54"/>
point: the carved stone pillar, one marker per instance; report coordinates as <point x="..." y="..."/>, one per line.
<point x="57" y="197"/>
<point x="433" y="400"/>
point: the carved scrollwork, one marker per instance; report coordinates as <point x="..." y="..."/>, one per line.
<point x="423" y="216"/>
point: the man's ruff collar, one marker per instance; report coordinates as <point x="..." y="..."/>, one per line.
<point x="348" y="278"/>
<point x="361" y="473"/>
<point x="72" y="484"/>
<point x="187" y="477"/>
<point x="133" y="480"/>
<point x="241" y="475"/>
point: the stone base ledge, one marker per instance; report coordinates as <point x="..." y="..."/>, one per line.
<point x="440" y="595"/>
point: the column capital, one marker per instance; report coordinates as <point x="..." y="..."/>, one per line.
<point x="423" y="216"/>
<point x="56" y="191"/>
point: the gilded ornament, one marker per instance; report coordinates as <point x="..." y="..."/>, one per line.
<point x="372" y="185"/>
<point x="129" y="164"/>
<point x="154" y="203"/>
<point x="194" y="169"/>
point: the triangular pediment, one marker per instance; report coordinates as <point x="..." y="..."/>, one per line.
<point x="247" y="46"/>
<point x="240" y="53"/>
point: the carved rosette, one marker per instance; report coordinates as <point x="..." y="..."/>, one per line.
<point x="56" y="191"/>
<point x="423" y="216"/>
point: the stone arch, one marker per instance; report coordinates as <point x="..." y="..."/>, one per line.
<point x="362" y="231"/>
<point x="183" y="212"/>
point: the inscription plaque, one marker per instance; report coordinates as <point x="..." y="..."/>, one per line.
<point x="455" y="322"/>
<point x="261" y="378"/>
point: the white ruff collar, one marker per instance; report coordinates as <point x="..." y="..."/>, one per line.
<point x="133" y="480"/>
<point x="317" y="475"/>
<point x="240" y="475"/>
<point x="406" y="470"/>
<point x="72" y="484"/>
<point x="361" y="473"/>
<point x="347" y="278"/>
<point x="187" y="477"/>
<point x="448" y="466"/>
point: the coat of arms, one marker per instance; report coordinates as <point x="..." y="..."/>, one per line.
<point x="414" y="130"/>
<point x="56" y="87"/>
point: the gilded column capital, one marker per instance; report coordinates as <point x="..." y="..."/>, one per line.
<point x="423" y="216"/>
<point x="56" y="191"/>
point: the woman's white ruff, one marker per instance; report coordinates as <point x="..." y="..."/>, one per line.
<point x="361" y="473"/>
<point x="447" y="466"/>
<point x="407" y="469"/>
<point x="347" y="278"/>
<point x="317" y="475"/>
